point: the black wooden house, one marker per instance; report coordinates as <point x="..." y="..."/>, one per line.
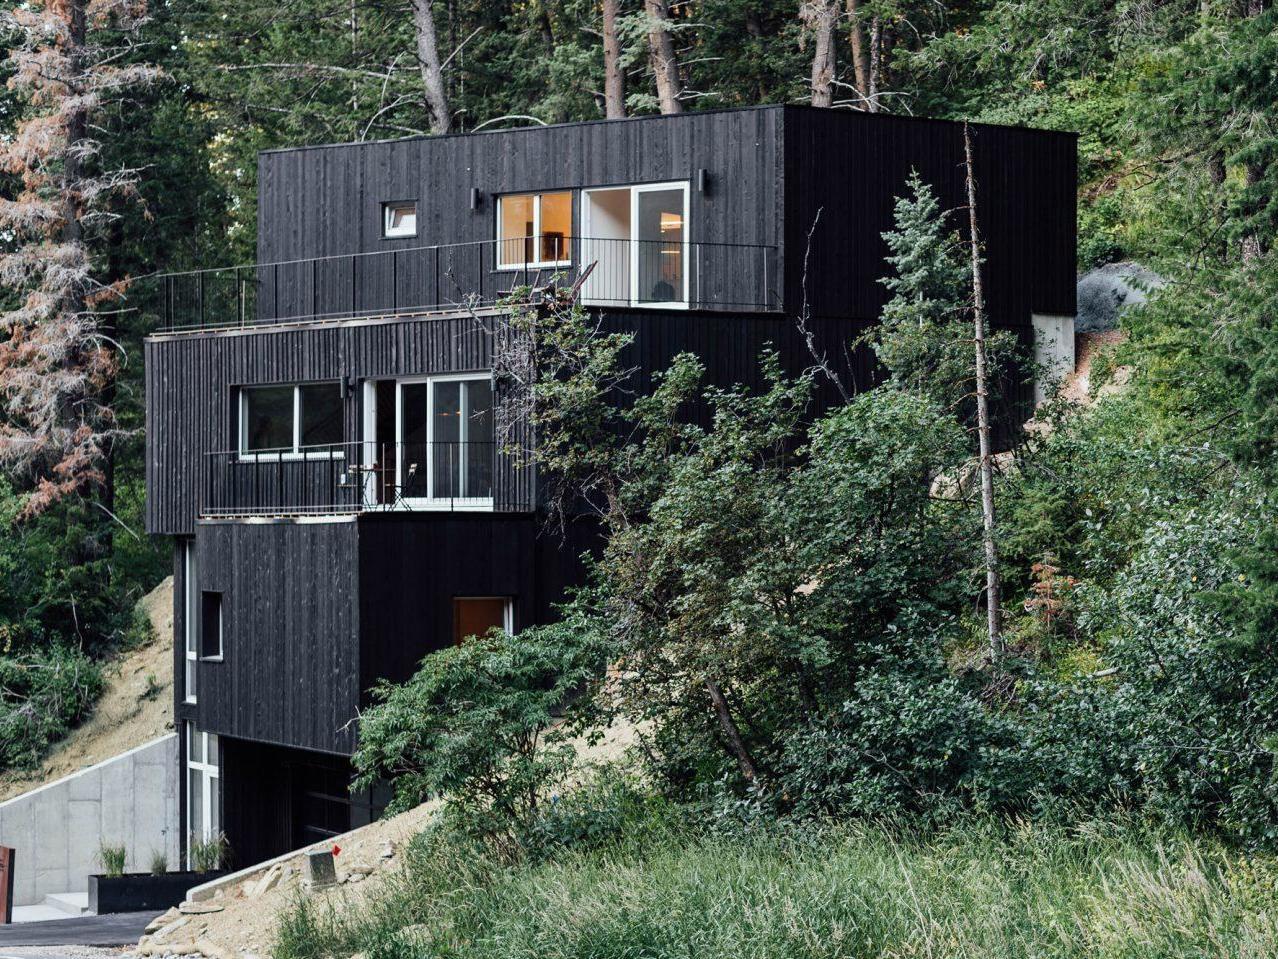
<point x="319" y="423"/>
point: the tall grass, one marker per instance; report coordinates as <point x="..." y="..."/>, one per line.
<point x="981" y="889"/>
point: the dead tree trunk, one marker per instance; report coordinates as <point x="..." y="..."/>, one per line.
<point x="662" y="56"/>
<point x="614" y="76"/>
<point x="860" y="54"/>
<point x="819" y="17"/>
<point x="993" y="583"/>
<point x="428" y="62"/>
<point x="876" y="65"/>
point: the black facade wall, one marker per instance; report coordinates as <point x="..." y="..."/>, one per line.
<point x="845" y="169"/>
<point x="290" y="666"/>
<point x="327" y="201"/>
<point x="191" y="383"/>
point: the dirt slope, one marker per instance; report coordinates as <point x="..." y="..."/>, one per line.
<point x="136" y="706"/>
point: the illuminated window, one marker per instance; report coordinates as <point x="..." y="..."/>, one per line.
<point x="478" y="615"/>
<point x="534" y="229"/>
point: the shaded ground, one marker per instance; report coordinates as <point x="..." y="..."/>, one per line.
<point x="135" y="708"/>
<point x="116" y="930"/>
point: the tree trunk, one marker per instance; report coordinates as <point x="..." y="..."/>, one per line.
<point x="819" y="17"/>
<point x="993" y="583"/>
<point x="661" y="53"/>
<point x="429" y="64"/>
<point x="860" y="54"/>
<point x="876" y="62"/>
<point x="745" y="762"/>
<point x="614" y="76"/>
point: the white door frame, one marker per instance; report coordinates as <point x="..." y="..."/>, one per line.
<point x="587" y="233"/>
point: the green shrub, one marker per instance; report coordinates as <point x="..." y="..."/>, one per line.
<point x="159" y="862"/>
<point x="43" y="695"/>
<point x="474" y="724"/>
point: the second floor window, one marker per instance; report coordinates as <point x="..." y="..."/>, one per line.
<point x="296" y="420"/>
<point x="534" y="229"/>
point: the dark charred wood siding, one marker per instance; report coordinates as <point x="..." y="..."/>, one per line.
<point x="326" y="201"/>
<point x="849" y="167"/>
<point x="290" y="664"/>
<point x="192" y="383"/>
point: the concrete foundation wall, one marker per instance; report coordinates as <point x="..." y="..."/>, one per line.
<point x="130" y="800"/>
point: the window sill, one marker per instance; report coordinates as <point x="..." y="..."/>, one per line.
<point x="211" y="659"/>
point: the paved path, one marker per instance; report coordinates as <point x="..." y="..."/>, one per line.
<point x="119" y="929"/>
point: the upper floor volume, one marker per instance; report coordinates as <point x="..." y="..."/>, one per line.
<point x="758" y="210"/>
<point x="349" y="368"/>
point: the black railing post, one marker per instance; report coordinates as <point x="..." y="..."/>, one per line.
<point x="275" y="284"/>
<point x="200" y="295"/>
<point x="354" y="270"/>
<point x="395" y="282"/>
<point x="435" y="302"/>
<point x="239" y="295"/>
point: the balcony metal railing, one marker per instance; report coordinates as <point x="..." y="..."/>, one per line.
<point x="424" y="279"/>
<point x="356" y="478"/>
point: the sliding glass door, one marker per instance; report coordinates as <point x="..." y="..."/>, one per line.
<point x="637" y="237"/>
<point x="447" y="445"/>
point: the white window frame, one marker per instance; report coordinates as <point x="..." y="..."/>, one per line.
<point x="475" y="503"/>
<point x="390" y="232"/>
<point x="635" y="189"/>
<point x="536" y="234"/>
<point x="245" y="455"/>
<point x="209" y="771"/>
<point x="190" y="621"/>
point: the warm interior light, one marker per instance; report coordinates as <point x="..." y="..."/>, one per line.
<point x="671" y="221"/>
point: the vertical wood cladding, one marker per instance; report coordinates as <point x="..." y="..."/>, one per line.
<point x="290" y="667"/>
<point x="326" y="201"/>
<point x="849" y="167"/>
<point x="191" y="383"/>
<point x="315" y="613"/>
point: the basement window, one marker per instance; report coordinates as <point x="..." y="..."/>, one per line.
<point x="477" y="615"/>
<point x="534" y="230"/>
<point x="210" y="625"/>
<point x="285" y="422"/>
<point x="399" y="219"/>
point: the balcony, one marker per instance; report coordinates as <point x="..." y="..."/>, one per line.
<point x="618" y="273"/>
<point x="364" y="477"/>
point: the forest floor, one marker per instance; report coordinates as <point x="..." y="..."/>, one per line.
<point x="136" y="705"/>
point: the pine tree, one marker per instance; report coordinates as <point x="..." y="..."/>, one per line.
<point x="57" y="356"/>
<point x="920" y="338"/>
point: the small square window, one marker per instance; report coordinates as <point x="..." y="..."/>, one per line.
<point x="399" y="219"/>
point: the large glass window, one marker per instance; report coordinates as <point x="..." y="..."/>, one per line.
<point x="203" y="786"/>
<point x="448" y="443"/>
<point x="291" y="420"/>
<point x="534" y="229"/>
<point x="637" y="237"/>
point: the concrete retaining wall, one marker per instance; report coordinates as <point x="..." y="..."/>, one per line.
<point x="129" y="800"/>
